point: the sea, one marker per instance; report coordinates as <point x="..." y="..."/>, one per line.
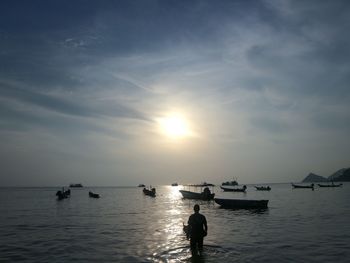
<point x="124" y="225"/>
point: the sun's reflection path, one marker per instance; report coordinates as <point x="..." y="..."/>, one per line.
<point x="169" y="243"/>
<point x="172" y="245"/>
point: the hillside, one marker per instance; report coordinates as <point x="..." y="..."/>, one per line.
<point x="342" y="175"/>
<point x="314" y="178"/>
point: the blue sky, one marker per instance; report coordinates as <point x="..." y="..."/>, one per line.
<point x="263" y="85"/>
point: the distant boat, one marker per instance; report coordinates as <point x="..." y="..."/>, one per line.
<point x="241" y="203"/>
<point x="174" y="184"/>
<point x="230" y="189"/>
<point x="205" y="195"/>
<point x="330" y="185"/>
<point x="263" y="188"/>
<point x="75" y="185"/>
<point x="230" y="183"/>
<point x="93" y="195"/>
<point x="63" y="194"/>
<point x="150" y="192"/>
<point x="141" y="185"/>
<point x="311" y="186"/>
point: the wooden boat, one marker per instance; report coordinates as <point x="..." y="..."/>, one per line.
<point x="230" y="189"/>
<point x="93" y="195"/>
<point x="311" y="186"/>
<point x="150" y="192"/>
<point x="241" y="203"/>
<point x="205" y="195"/>
<point x="330" y="185"/>
<point x="263" y="188"/>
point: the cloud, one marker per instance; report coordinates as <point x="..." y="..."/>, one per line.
<point x="247" y="73"/>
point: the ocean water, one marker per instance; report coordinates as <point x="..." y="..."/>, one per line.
<point x="299" y="225"/>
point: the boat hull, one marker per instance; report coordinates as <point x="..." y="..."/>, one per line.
<point x="303" y="186"/>
<point x="241" y="203"/>
<point x="197" y="196"/>
<point x="330" y="185"/>
<point x="228" y="189"/>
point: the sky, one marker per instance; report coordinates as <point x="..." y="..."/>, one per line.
<point x="117" y="93"/>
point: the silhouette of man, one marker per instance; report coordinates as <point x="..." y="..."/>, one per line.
<point x="198" y="229"/>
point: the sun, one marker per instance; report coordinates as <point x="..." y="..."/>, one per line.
<point x="174" y="126"/>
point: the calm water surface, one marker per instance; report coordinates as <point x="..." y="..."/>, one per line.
<point x="300" y="225"/>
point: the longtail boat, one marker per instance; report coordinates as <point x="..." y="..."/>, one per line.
<point x="205" y="195"/>
<point x="311" y="186"/>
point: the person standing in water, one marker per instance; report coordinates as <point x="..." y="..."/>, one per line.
<point x="198" y="229"/>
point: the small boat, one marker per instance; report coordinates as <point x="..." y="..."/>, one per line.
<point x="174" y="184"/>
<point x="229" y="189"/>
<point x="150" y="192"/>
<point x="330" y="185"/>
<point x="93" y="195"/>
<point x="241" y="203"/>
<point x="141" y="185"/>
<point x="63" y="194"/>
<point x="230" y="183"/>
<point x="76" y="185"/>
<point x="206" y="195"/>
<point x="263" y="188"/>
<point x="311" y="186"/>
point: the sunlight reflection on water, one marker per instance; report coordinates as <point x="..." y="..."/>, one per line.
<point x="126" y="226"/>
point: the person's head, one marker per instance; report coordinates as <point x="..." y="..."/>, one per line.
<point x="196" y="208"/>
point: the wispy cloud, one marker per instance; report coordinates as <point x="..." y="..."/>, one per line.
<point x="249" y="75"/>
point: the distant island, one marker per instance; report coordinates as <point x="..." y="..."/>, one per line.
<point x="342" y="175"/>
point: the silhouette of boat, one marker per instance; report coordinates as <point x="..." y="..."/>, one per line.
<point x="230" y="189"/>
<point x="63" y="194"/>
<point x="230" y="183"/>
<point x="241" y="203"/>
<point x="150" y="192"/>
<point x="75" y="185"/>
<point x="330" y="185"/>
<point x="263" y="188"/>
<point x="174" y="184"/>
<point x="205" y="195"/>
<point x="311" y="186"/>
<point x="93" y="195"/>
<point x="141" y="185"/>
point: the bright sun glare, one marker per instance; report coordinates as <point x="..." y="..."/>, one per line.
<point x="175" y="126"/>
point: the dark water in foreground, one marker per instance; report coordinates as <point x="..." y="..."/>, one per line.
<point x="300" y="225"/>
